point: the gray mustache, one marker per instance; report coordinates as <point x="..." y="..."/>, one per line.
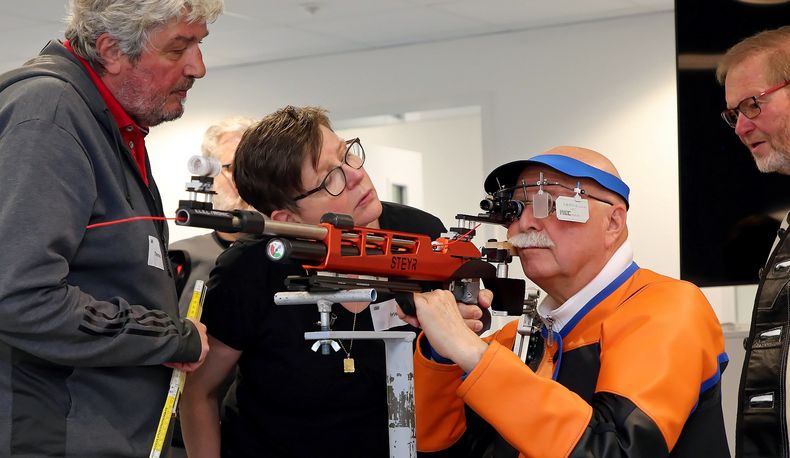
<point x="185" y="86"/>
<point x="531" y="239"/>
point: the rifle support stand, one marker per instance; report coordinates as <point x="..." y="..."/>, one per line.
<point x="399" y="354"/>
<point x="400" y="383"/>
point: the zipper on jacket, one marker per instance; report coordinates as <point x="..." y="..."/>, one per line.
<point x="548" y="323"/>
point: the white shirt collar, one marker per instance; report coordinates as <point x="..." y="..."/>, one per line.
<point x="560" y="315"/>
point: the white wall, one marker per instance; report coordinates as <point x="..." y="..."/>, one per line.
<point x="452" y="160"/>
<point x="389" y="166"/>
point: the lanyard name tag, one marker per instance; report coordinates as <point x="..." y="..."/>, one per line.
<point x="384" y="315"/>
<point x="155" y="253"/>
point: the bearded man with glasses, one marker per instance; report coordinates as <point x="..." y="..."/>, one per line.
<point x="755" y="74"/>
<point x="627" y="362"/>
<point x="291" y="401"/>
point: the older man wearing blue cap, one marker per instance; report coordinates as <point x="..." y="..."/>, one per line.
<point x="627" y="362"/>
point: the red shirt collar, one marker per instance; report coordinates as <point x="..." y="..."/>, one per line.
<point x="117" y="111"/>
<point x="133" y="135"/>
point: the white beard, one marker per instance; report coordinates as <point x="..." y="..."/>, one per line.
<point x="779" y="158"/>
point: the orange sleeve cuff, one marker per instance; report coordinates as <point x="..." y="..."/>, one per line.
<point x="440" y="419"/>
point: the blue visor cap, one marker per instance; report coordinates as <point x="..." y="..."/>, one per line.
<point x="506" y="175"/>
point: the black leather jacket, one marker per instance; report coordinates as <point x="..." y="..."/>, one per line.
<point x="761" y="429"/>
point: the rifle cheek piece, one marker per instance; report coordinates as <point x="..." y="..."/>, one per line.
<point x="338" y="220"/>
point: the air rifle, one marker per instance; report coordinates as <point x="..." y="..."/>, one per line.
<point x="395" y="264"/>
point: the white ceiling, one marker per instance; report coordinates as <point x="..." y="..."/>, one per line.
<point x="267" y="30"/>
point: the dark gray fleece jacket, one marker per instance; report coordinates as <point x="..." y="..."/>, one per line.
<point x="87" y="316"/>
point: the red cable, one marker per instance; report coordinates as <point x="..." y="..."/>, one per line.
<point x="461" y="237"/>
<point x="127" y="220"/>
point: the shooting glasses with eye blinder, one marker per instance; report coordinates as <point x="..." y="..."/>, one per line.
<point x="509" y="202"/>
<point x="507" y="198"/>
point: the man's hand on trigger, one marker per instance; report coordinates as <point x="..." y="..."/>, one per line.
<point x="189" y="367"/>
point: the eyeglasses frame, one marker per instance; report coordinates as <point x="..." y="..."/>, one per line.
<point x="349" y="145"/>
<point x="540" y="184"/>
<point x="734" y="111"/>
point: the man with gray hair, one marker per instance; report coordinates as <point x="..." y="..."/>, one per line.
<point x="89" y="323"/>
<point x="196" y="256"/>
<point x="755" y="74"/>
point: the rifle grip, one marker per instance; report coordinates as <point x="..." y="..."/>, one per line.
<point x="466" y="291"/>
<point x="406" y="303"/>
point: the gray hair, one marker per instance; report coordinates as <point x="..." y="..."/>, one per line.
<point x="130" y="22"/>
<point x="233" y="124"/>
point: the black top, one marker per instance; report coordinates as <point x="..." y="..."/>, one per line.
<point x="291" y="401"/>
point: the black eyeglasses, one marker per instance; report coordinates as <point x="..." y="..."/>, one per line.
<point x="335" y="181"/>
<point x="749" y="106"/>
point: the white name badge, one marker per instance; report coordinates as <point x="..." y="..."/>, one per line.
<point x="571" y="209"/>
<point x="385" y="316"/>
<point x="155" y="253"/>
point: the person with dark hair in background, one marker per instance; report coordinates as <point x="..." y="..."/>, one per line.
<point x="627" y="362"/>
<point x="755" y="74"/>
<point x="290" y="400"/>
<point x="89" y="323"/>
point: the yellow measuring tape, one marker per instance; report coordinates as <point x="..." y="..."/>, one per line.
<point x="176" y="380"/>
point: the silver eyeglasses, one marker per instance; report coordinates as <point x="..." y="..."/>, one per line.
<point x="543" y="202"/>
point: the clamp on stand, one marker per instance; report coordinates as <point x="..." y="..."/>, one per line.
<point x="399" y="360"/>
<point x="528" y="328"/>
<point x="324" y="301"/>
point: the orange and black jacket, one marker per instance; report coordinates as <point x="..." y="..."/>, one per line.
<point x="637" y="374"/>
